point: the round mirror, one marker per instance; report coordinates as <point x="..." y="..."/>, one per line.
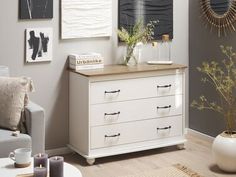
<point x="220" y="7"/>
<point x="220" y="14"/>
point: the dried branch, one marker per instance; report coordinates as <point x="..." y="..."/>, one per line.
<point x="223" y="78"/>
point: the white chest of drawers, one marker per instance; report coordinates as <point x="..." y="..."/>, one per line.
<point x="119" y="109"/>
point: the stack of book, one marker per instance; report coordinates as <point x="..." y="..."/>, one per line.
<point x="86" y="61"/>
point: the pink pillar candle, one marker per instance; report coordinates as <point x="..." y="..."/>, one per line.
<point x="40" y="172"/>
<point x="41" y="159"/>
<point x="56" y="166"/>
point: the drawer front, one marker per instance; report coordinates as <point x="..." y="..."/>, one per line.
<point x="118" y="112"/>
<point x="118" y="134"/>
<point x="120" y="90"/>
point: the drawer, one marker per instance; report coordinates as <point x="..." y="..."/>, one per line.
<point x="121" y="90"/>
<point x="118" y="134"/>
<point x="118" y="112"/>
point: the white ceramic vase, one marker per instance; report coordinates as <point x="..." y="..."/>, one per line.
<point x="224" y="151"/>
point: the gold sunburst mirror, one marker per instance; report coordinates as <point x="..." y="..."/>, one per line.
<point x="220" y="14"/>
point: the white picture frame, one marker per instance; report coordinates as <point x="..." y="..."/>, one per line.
<point x="39" y="45"/>
<point x="86" y="18"/>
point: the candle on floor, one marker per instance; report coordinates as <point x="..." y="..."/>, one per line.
<point x="40" y="171"/>
<point x="56" y="166"/>
<point x="41" y="159"/>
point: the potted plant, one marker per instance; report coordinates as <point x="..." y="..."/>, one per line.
<point x="138" y="34"/>
<point x="223" y="78"/>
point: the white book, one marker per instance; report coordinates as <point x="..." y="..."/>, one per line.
<point x="84" y="56"/>
<point x="85" y="67"/>
<point x="86" y="61"/>
<point x="78" y="56"/>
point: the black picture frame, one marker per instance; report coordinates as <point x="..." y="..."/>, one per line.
<point x="130" y="11"/>
<point x="35" y="9"/>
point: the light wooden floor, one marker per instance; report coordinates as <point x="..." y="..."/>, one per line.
<point x="196" y="156"/>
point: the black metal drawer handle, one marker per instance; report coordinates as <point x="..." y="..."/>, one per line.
<point x="165" y="128"/>
<point x="164" y="107"/>
<point x="116" y="91"/>
<point x="164" y="86"/>
<point x="112" y="114"/>
<point x="112" y="136"/>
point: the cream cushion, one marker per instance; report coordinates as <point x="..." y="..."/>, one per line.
<point x="13" y="98"/>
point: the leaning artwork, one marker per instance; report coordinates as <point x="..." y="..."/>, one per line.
<point x="38" y="44"/>
<point x="36" y="9"/>
<point x="131" y="11"/>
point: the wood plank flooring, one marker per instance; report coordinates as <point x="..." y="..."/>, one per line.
<point x="196" y="156"/>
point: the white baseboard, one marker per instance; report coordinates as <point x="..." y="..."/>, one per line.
<point x="58" y="151"/>
<point x="200" y="135"/>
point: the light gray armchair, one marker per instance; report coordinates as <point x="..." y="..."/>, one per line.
<point x="35" y="125"/>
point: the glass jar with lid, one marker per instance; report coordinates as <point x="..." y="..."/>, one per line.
<point x="165" y="48"/>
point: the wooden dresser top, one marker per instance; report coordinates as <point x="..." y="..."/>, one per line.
<point x="122" y="69"/>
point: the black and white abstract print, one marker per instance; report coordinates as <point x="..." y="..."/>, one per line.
<point x="36" y="9"/>
<point x="130" y="11"/>
<point x="38" y="44"/>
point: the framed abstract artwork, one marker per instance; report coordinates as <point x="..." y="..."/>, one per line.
<point x="39" y="44"/>
<point x="86" y="18"/>
<point x="130" y="11"/>
<point x="35" y="9"/>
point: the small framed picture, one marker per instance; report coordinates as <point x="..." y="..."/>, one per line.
<point x="36" y="9"/>
<point x="39" y="44"/>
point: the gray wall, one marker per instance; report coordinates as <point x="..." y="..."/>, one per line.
<point x="51" y="79"/>
<point x="203" y="46"/>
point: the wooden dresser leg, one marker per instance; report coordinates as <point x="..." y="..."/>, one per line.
<point x="180" y="146"/>
<point x="90" y="161"/>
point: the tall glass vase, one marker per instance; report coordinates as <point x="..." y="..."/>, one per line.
<point x="131" y="56"/>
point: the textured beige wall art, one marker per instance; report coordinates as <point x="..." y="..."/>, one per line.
<point x="86" y="18"/>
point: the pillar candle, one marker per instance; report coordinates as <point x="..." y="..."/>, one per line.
<point x="41" y="159"/>
<point x="56" y="166"/>
<point x="40" y="171"/>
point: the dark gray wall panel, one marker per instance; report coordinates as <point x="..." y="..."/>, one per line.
<point x="203" y="46"/>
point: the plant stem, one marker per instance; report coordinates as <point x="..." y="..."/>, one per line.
<point x="217" y="87"/>
<point x="130" y="52"/>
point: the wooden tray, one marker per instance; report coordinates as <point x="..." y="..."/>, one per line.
<point x="21" y="165"/>
<point x="26" y="175"/>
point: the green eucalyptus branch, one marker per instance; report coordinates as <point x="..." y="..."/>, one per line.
<point x="139" y="33"/>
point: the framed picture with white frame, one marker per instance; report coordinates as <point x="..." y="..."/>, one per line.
<point x="39" y="44"/>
